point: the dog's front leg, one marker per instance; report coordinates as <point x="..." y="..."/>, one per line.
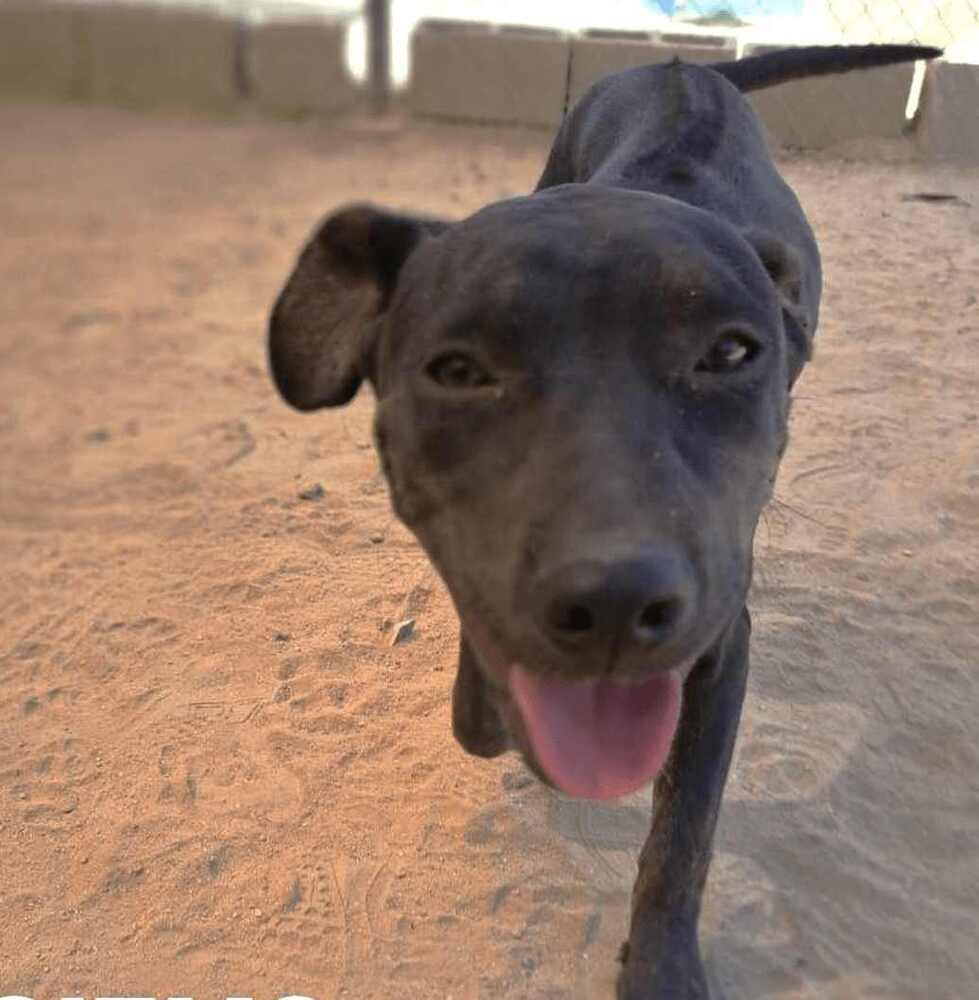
<point x="661" y="960"/>
<point x="476" y="721"/>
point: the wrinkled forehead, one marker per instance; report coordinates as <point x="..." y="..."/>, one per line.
<point x="604" y="254"/>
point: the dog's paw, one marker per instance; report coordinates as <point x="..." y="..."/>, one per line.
<point x="690" y="986"/>
<point x="678" y="974"/>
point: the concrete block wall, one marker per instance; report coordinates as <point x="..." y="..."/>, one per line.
<point x="40" y="50"/>
<point x="147" y="56"/>
<point x="597" y="53"/>
<point x="823" y="111"/>
<point x="144" y="55"/>
<point x="948" y="125"/>
<point x="299" y="66"/>
<point x="472" y="71"/>
<point x="475" y="71"/>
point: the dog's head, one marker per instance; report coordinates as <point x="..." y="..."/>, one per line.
<point x="582" y="399"/>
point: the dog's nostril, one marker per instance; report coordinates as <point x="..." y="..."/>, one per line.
<point x="658" y="615"/>
<point x="635" y="604"/>
<point x="573" y="619"/>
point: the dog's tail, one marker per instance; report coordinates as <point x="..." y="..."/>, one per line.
<point x="766" y="70"/>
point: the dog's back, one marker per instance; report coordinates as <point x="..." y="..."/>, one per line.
<point x="674" y="129"/>
<point x="687" y="131"/>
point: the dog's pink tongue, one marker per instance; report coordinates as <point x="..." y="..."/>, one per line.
<point x="596" y="739"/>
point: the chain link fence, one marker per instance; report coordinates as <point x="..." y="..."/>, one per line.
<point x="933" y="105"/>
<point x="945" y="23"/>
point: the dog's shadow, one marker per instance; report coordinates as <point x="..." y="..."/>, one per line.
<point x="841" y="833"/>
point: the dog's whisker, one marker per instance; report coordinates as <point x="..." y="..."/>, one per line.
<point x="784" y="505"/>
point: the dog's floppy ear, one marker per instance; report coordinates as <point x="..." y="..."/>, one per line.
<point x="323" y="325"/>
<point x="784" y="267"/>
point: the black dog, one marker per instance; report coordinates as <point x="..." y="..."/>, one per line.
<point x="582" y="399"/>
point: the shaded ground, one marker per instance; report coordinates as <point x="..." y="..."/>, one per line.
<point x="217" y="777"/>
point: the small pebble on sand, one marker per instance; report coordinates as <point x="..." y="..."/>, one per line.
<point x="314" y="492"/>
<point x="403" y="631"/>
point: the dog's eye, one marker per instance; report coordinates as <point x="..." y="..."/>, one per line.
<point x="456" y="370"/>
<point x="731" y="352"/>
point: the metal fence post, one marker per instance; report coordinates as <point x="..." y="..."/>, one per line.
<point x="379" y="53"/>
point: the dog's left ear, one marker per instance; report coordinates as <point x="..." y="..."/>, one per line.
<point x="324" y="323"/>
<point x="784" y="267"/>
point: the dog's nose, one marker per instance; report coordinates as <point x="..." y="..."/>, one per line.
<point x="622" y="606"/>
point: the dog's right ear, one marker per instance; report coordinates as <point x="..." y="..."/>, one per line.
<point x="324" y="323"/>
<point x="784" y="267"/>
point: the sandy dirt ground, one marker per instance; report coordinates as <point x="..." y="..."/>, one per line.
<point x="218" y="777"/>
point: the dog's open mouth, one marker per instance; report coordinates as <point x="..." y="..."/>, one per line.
<point x="597" y="739"/>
